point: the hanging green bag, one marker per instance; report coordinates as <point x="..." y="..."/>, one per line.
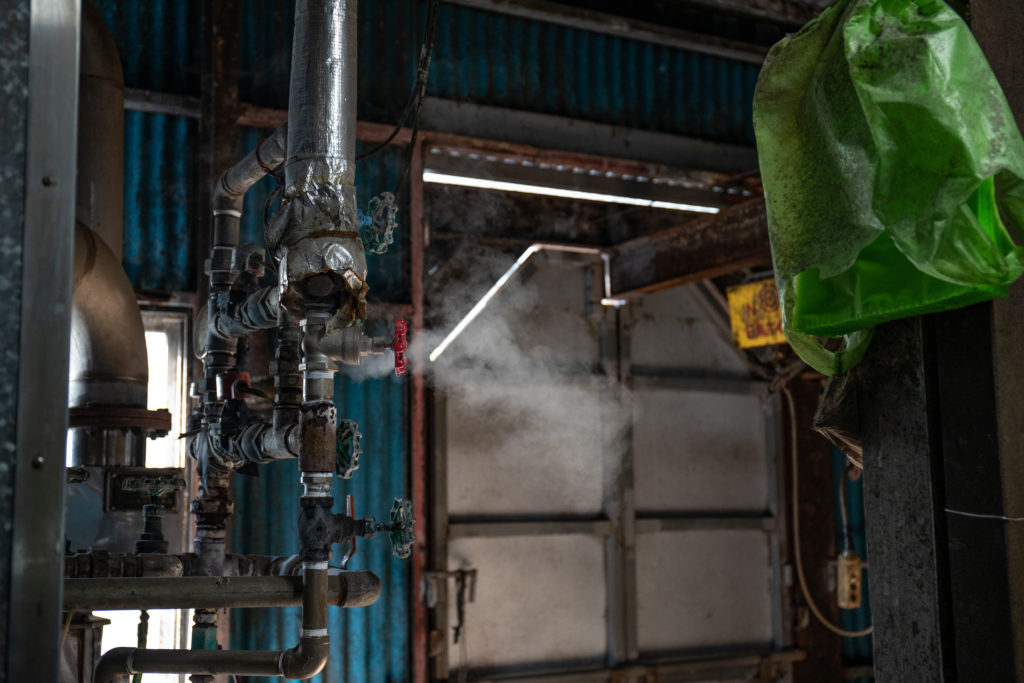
<point x="890" y="160"/>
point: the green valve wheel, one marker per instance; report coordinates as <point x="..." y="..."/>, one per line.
<point x="349" y="448"/>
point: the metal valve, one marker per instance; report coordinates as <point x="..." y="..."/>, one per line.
<point x="400" y="530"/>
<point x="349" y="448"/>
<point x="379" y="223"/>
<point x="399" y="345"/>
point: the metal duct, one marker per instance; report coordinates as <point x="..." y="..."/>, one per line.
<point x="108" y="342"/>
<point x="99" y="193"/>
<point x="316" y="231"/>
<point x="109" y="367"/>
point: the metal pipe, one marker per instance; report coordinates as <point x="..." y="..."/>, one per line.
<point x="108" y="341"/>
<point x="345" y="589"/>
<point x="258" y="312"/>
<point x="315" y="236"/>
<point x="99" y="190"/>
<point x="478" y="308"/>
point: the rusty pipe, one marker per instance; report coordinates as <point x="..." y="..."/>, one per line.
<point x="344" y="589"/>
<point x="301" y="662"/>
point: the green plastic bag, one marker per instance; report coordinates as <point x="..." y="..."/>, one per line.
<point x="890" y="160"/>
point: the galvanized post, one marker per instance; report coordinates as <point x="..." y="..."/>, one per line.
<point x="39" y="60"/>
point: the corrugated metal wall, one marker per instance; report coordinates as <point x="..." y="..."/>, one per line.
<point x="368" y="644"/>
<point x="494" y="59"/>
<point x="481" y="57"/>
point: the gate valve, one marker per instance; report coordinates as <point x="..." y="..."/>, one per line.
<point x="399" y="529"/>
<point x="349" y="441"/>
<point x="399" y="345"/>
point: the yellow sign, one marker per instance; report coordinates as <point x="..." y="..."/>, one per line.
<point x="755" y="315"/>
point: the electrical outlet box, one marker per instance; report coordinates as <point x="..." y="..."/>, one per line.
<point x="849" y="574"/>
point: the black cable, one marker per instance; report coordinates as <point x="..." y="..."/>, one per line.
<point x="415" y="101"/>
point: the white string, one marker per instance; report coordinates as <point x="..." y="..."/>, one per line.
<point x="979" y="515"/>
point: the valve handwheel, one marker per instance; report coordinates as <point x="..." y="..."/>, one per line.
<point x="399" y="345"/>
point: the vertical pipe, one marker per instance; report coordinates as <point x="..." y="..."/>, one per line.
<point x="321" y="104"/>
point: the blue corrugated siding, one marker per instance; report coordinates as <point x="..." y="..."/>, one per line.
<point x="368" y="644"/>
<point x="481" y="57"/>
<point x="490" y="58"/>
<point x="159" y="242"/>
<point x="371" y="644"/>
<point x="159" y="42"/>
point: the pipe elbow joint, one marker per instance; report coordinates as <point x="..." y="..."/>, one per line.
<point x="113" y="665"/>
<point x="306" y="659"/>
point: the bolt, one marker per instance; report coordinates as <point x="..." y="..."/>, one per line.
<point x="37" y="462"/>
<point x="49" y="180"/>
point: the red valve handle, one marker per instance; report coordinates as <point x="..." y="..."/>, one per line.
<point x="399" y="345"/>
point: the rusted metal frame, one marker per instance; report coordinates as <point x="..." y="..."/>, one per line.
<point x="526" y="527"/>
<point x="738" y="667"/>
<point x="497" y="150"/>
<point x="438" y="535"/>
<point x="696" y="522"/>
<point x="247" y="114"/>
<point x="623" y="27"/>
<point x="418" y="432"/>
<point x="446" y="143"/>
<point x="218" y="141"/>
<point x="706" y="247"/>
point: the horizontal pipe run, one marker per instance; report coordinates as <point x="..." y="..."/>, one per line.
<point x="349" y="589"/>
<point x="123" y="661"/>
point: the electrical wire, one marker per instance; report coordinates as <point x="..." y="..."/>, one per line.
<point x="421" y="82"/>
<point x="415" y="100"/>
<point x="796" y="531"/>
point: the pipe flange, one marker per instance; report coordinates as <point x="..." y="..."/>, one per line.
<point x="153" y="423"/>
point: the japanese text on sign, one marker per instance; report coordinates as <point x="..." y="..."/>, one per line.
<point x="755" y="314"/>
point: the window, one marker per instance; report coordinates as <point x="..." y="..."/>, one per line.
<point x="167" y="345"/>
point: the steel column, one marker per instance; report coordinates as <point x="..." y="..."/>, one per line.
<point x="39" y="60"/>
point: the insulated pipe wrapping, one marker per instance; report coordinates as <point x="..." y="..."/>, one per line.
<point x="321" y="103"/>
<point x="316" y="231"/>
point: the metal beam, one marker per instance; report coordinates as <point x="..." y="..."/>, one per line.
<point x="622" y="27"/>
<point x="706" y="247"/>
<point x="943" y="475"/>
<point x="902" y="499"/>
<point x="494" y="529"/>
<point x="652" y="525"/>
<point x="785" y="12"/>
<point x="585" y="137"/>
<point x="39" y="111"/>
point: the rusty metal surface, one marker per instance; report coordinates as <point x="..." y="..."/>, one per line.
<point x="706" y="247"/>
